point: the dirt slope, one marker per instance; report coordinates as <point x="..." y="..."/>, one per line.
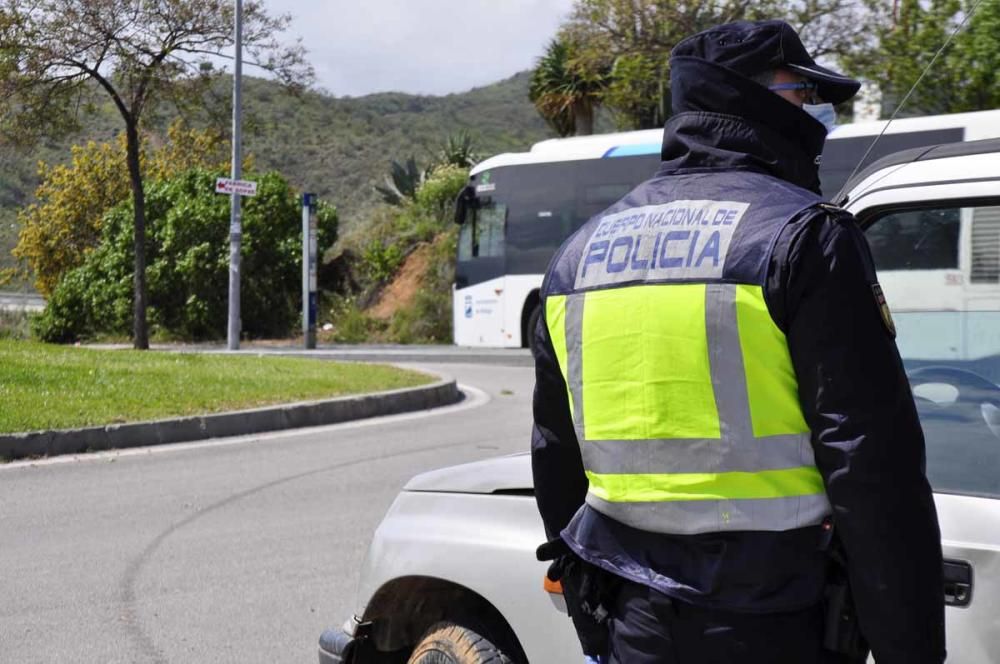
<point x="404" y="286"/>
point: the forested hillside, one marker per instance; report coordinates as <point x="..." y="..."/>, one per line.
<point x="336" y="147"/>
<point x="341" y="147"/>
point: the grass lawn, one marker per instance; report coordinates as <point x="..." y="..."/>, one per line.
<point x="54" y="387"/>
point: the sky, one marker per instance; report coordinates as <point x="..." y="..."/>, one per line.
<point x="419" y="46"/>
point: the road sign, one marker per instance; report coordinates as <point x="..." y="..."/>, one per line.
<point x="230" y="186"/>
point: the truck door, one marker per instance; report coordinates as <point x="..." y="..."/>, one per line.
<point x="948" y="327"/>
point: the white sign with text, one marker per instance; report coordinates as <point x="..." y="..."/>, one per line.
<point x="241" y="187"/>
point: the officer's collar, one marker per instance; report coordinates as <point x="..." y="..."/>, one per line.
<point x="724" y="121"/>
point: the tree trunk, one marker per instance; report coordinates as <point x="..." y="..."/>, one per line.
<point x="140" y="333"/>
<point x="584" y="119"/>
<point x="665" y="109"/>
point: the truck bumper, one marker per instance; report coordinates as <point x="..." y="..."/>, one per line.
<point x="336" y="644"/>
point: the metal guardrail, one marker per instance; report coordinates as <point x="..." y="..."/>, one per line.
<point x="13" y="301"/>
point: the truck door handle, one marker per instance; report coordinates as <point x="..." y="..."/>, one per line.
<point x="957" y="583"/>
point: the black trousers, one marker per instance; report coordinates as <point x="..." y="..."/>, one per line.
<point x="647" y="627"/>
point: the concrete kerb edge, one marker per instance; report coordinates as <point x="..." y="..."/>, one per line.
<point x="235" y="423"/>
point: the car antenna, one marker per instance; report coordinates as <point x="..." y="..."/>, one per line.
<point x="840" y="198"/>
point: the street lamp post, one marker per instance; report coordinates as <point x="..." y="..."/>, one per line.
<point x="235" y="224"/>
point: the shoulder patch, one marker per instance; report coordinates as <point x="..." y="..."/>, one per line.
<point x="883" y="308"/>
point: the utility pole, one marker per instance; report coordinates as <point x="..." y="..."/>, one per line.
<point x="309" y="238"/>
<point x="235" y="224"/>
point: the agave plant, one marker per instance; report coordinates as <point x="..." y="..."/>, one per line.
<point x="458" y="150"/>
<point x="402" y="182"/>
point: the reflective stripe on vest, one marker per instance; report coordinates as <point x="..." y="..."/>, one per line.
<point x="686" y="406"/>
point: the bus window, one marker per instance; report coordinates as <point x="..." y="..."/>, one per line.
<point x="465" y="242"/>
<point x="985" y="246"/>
<point x="541" y="202"/>
<point x="539" y="229"/>
<point x="487" y="231"/>
<point x="597" y="197"/>
<point x="541" y="213"/>
<point x="916" y="240"/>
<point x="547" y="202"/>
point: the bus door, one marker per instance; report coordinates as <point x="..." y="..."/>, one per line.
<point x="479" y="275"/>
<point x="939" y="263"/>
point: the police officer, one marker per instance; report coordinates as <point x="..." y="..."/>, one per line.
<point x="719" y="391"/>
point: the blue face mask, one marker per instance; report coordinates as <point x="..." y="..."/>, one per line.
<point x="823" y="113"/>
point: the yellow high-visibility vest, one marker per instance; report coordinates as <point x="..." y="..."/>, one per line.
<point x="686" y="407"/>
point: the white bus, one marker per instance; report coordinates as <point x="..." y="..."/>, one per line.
<point x="519" y="207"/>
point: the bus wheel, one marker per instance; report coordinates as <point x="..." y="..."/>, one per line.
<point x="529" y="330"/>
<point x="448" y="643"/>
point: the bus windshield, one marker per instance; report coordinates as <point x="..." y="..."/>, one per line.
<point x="482" y="235"/>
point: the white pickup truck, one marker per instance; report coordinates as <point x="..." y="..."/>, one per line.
<point x="451" y="574"/>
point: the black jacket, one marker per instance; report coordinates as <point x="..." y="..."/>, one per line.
<point x="867" y="439"/>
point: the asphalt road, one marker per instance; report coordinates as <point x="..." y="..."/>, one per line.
<point x="234" y="550"/>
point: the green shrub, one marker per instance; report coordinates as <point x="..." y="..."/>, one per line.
<point x="188" y="265"/>
<point x="426" y="320"/>
<point x="414" y="227"/>
<point x="350" y="323"/>
<point x="438" y="193"/>
<point x="380" y="260"/>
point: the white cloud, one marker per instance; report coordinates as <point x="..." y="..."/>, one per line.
<point x="420" y="46"/>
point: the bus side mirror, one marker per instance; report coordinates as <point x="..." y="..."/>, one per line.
<point x="466" y="199"/>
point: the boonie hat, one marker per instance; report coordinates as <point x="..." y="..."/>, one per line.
<point x="751" y="47"/>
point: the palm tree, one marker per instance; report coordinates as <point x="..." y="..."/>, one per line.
<point x="564" y="94"/>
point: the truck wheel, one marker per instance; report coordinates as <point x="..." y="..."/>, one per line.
<point x="448" y="643"/>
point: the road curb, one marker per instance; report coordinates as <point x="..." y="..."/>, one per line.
<point x="234" y="423"/>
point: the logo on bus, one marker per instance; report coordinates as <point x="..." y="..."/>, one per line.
<point x="468" y="306"/>
<point x="485" y="186"/>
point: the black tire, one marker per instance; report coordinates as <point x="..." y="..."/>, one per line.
<point x="448" y="643"/>
<point x="529" y="330"/>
